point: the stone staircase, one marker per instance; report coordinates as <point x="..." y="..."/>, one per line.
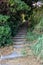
<point x="20" y="38"/>
<point x="21" y="47"/>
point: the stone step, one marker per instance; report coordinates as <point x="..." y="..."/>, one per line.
<point x="20" y="35"/>
<point x="23" y="28"/>
<point x="21" y="46"/>
<point x="4" y="64"/>
<point x="18" y="40"/>
<point x="11" y="56"/>
<point x="17" y="53"/>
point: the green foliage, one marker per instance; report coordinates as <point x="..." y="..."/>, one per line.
<point x="14" y="9"/>
<point x="17" y="8"/>
<point x="39" y="27"/>
<point x="11" y="17"/>
<point x="5" y="35"/>
<point x="3" y="19"/>
<point x="36" y="16"/>
<point x="41" y="0"/>
<point x="31" y="36"/>
<point x="23" y="52"/>
<point x="14" y="25"/>
<point x="37" y="47"/>
<point x="19" y="5"/>
<point x="29" y="2"/>
<point x="36" y="41"/>
<point x="5" y="31"/>
<point x="35" y="35"/>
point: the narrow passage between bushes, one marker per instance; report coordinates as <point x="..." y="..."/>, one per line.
<point x="18" y="43"/>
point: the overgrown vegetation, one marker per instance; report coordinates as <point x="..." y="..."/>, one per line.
<point x="5" y="35"/>
<point x="37" y="48"/>
<point x="12" y="14"/>
<point x="35" y="33"/>
<point x="5" y="31"/>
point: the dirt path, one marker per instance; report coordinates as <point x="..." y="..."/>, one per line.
<point x="29" y="60"/>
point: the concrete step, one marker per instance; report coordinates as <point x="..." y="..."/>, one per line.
<point x="17" y="53"/>
<point x="21" y="46"/>
<point x="17" y="42"/>
<point x="11" y="56"/>
<point x="19" y="35"/>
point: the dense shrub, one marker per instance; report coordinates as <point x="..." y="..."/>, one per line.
<point x="32" y="36"/>
<point x="5" y="35"/>
<point x="35" y="34"/>
<point x="12" y="14"/>
<point x="5" y="32"/>
<point x="39" y="27"/>
<point x="35" y="37"/>
<point x="18" y="11"/>
<point x="36" y="16"/>
<point x="14" y="25"/>
<point x="3" y="19"/>
<point x="37" y="47"/>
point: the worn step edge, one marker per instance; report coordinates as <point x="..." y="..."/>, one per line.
<point x="19" y="40"/>
<point x="22" y="46"/>
<point x="12" y="56"/>
<point x="19" y="37"/>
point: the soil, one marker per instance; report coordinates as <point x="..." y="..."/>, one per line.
<point x="6" y="50"/>
<point x="28" y="60"/>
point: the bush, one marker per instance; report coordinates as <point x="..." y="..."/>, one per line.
<point x="32" y="36"/>
<point x="39" y="27"/>
<point x="5" y="32"/>
<point x="36" y="16"/>
<point x="11" y="18"/>
<point x="17" y="8"/>
<point x="3" y="19"/>
<point x="36" y="33"/>
<point x="37" y="47"/>
<point x="5" y="35"/>
<point x="14" y="25"/>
